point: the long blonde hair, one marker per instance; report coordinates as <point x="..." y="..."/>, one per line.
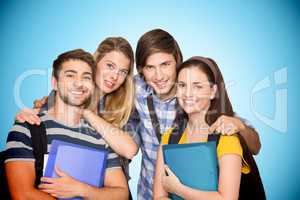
<point x="119" y="103"/>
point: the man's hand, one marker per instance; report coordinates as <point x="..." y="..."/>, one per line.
<point x="226" y="125"/>
<point x="63" y="187"/>
<point x="30" y="115"/>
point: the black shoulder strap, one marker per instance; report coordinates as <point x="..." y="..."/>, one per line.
<point x="214" y="137"/>
<point x="153" y="116"/>
<point x="180" y="124"/>
<point x="39" y="146"/>
<point x="176" y="135"/>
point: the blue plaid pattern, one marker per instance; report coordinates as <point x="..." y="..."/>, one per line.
<point x="145" y="135"/>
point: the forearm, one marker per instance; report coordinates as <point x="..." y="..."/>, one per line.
<point x="34" y="194"/>
<point x="191" y="194"/>
<point x="252" y="139"/>
<point x="161" y="198"/>
<point x="112" y="193"/>
<point x="121" y="142"/>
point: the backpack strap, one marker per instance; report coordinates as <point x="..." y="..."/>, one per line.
<point x="179" y="125"/>
<point x="214" y="137"/>
<point x="175" y="135"/>
<point x="154" y="119"/>
<point x="39" y="146"/>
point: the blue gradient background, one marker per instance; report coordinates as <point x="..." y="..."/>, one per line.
<point x="250" y="40"/>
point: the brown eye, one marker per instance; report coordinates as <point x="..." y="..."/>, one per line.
<point x="110" y="66"/>
<point x="123" y="73"/>
<point x="149" y="67"/>
<point x="88" y="78"/>
<point x="198" y="86"/>
<point x="180" y="85"/>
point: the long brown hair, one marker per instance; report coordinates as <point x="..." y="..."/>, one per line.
<point x="119" y="103"/>
<point x="221" y="104"/>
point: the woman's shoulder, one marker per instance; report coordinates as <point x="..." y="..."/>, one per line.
<point x="229" y="138"/>
<point x="229" y="145"/>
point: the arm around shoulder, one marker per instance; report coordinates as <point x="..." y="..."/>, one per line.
<point x="120" y="141"/>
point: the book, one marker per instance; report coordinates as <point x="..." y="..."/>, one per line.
<point x="195" y="165"/>
<point x="85" y="164"/>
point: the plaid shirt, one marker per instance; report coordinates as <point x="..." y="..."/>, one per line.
<point x="145" y="135"/>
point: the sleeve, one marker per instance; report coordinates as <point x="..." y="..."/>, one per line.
<point x="229" y="145"/>
<point x="232" y="145"/>
<point x="113" y="159"/>
<point x="19" y="144"/>
<point x="133" y="126"/>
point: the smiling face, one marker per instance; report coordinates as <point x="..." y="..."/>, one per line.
<point x="75" y="84"/>
<point x="112" y="71"/>
<point x="194" y="91"/>
<point x="160" y="74"/>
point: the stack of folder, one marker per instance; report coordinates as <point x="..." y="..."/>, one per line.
<point x="195" y="165"/>
<point x="84" y="164"/>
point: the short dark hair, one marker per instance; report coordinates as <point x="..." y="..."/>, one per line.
<point x="76" y="54"/>
<point x="155" y="41"/>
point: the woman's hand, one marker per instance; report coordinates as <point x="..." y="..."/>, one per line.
<point x="63" y="187"/>
<point x="170" y="182"/>
<point x="40" y="102"/>
<point x="86" y="113"/>
<point x="226" y="125"/>
<point x="29" y="115"/>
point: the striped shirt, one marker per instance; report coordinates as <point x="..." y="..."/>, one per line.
<point x="19" y="143"/>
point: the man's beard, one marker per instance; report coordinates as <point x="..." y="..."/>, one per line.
<point x="84" y="104"/>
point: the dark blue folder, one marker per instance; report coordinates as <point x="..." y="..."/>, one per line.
<point x="83" y="163"/>
<point x="195" y="165"/>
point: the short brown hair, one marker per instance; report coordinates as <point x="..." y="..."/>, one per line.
<point x="76" y="54"/>
<point x="155" y="41"/>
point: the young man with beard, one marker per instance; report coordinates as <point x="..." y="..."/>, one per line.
<point x="157" y="58"/>
<point x="73" y="81"/>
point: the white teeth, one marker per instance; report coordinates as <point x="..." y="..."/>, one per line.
<point x="77" y="92"/>
<point x="161" y="84"/>
<point x="189" y="102"/>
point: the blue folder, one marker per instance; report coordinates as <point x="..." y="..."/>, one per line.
<point x="195" y="165"/>
<point x="83" y="163"/>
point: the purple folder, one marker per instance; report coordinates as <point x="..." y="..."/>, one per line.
<point x="83" y="163"/>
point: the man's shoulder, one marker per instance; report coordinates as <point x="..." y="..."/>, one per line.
<point x="142" y="89"/>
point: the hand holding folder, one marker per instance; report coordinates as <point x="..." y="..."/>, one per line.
<point x="84" y="164"/>
<point x="195" y="165"/>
